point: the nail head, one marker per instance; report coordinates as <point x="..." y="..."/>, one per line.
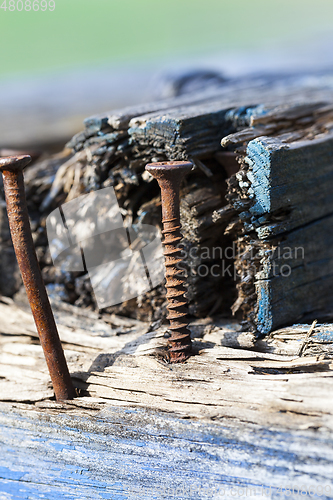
<point x="14" y="163"/>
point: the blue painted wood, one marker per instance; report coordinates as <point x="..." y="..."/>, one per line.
<point x="296" y="279"/>
<point x="295" y="178"/>
<point x="290" y="187"/>
<point x="130" y="454"/>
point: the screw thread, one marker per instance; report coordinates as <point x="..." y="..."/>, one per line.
<point x="180" y="340"/>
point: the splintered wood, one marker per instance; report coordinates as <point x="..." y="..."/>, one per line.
<point x="256" y="211"/>
<point x="122" y="363"/>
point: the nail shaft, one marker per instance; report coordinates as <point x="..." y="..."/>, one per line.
<point x="169" y="176"/>
<point x="12" y="171"/>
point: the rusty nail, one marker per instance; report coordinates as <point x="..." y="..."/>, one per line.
<point x="12" y="171"/>
<point x="169" y="176"/>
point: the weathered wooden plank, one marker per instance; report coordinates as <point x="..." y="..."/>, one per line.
<point x="242" y="413"/>
<point x="129" y="370"/>
<point x="130" y="454"/>
<point x="285" y="185"/>
<point x="294" y="179"/>
<point x="289" y="269"/>
<point x="285" y="190"/>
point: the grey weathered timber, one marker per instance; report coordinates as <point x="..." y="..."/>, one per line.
<point x="242" y="418"/>
<point x="290" y="214"/>
<point x="133" y="453"/>
<point x="281" y="131"/>
<point x="277" y="132"/>
<point x="294" y="179"/>
<point x="295" y="279"/>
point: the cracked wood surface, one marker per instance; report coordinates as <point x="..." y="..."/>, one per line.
<point x="242" y="413"/>
<point x="123" y="363"/>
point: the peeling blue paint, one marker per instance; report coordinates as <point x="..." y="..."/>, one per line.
<point x="241" y="117"/>
<point x="259" y="176"/>
<point x="264" y="317"/>
<point x="324" y="336"/>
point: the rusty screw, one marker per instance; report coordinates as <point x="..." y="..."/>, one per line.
<point x="169" y="176"/>
<point x="12" y="171"/>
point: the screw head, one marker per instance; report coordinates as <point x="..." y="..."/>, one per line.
<point x="14" y="163"/>
<point x="169" y="169"/>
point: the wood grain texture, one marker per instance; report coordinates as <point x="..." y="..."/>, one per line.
<point x="284" y="184"/>
<point x="289" y="222"/>
<point x="292" y="178"/>
<point x="242" y="413"/>
<point x="281" y="130"/>
<point x="129" y="453"/>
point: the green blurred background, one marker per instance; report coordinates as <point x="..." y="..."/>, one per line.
<point x="84" y="32"/>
